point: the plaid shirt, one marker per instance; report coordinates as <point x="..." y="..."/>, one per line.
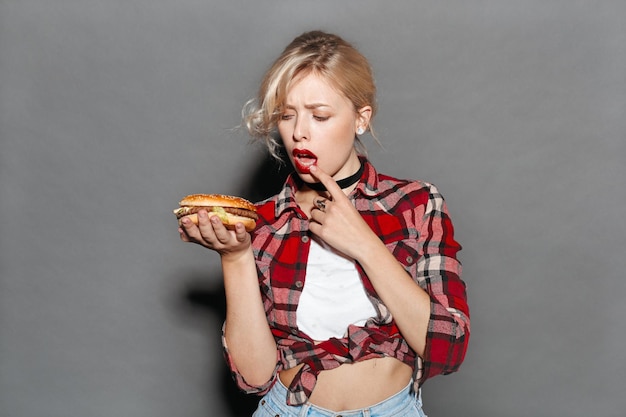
<point x="411" y="218"/>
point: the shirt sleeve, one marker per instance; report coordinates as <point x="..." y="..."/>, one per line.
<point x="239" y="379"/>
<point x="439" y="273"/>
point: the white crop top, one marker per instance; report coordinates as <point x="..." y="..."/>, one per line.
<point x="333" y="296"/>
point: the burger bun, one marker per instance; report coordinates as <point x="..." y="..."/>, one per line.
<point x="229" y="209"/>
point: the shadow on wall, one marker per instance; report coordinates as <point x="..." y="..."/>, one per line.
<point x="210" y="300"/>
<point x="265" y="180"/>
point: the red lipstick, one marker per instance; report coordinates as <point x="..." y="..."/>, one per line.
<point x="303" y="160"/>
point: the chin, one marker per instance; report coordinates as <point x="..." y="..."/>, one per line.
<point x="306" y="177"/>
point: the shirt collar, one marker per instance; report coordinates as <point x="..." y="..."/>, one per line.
<point x="368" y="185"/>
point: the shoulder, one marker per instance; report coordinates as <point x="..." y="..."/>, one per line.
<point x="404" y="194"/>
<point x="276" y="210"/>
<point x="266" y="210"/>
<point x="266" y="205"/>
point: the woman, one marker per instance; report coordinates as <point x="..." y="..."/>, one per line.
<point x="348" y="295"/>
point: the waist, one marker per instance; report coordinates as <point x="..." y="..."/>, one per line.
<point x="356" y="385"/>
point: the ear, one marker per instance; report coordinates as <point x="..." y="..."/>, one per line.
<point x="364" y="115"/>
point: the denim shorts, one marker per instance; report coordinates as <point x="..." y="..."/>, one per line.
<point x="402" y="404"/>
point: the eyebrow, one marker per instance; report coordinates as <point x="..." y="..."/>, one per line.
<point x="311" y="106"/>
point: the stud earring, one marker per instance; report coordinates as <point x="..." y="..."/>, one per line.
<point x="360" y="131"/>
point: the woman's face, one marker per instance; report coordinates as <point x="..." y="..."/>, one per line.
<point x="318" y="126"/>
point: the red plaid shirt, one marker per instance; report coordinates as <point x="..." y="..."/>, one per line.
<point x="411" y="218"/>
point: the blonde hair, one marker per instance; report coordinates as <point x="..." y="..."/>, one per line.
<point x="324" y="54"/>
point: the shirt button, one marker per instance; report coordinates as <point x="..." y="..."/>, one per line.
<point x="409" y="259"/>
<point x="305" y="239"/>
<point x="299" y="284"/>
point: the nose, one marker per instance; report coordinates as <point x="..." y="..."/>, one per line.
<point x="300" y="130"/>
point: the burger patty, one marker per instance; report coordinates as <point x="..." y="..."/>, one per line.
<point x="184" y="211"/>
<point x="241" y="212"/>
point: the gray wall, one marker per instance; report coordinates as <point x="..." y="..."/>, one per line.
<point x="111" y="111"/>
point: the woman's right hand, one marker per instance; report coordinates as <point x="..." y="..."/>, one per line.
<point x="212" y="234"/>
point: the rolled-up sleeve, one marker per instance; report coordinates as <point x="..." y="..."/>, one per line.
<point x="239" y="379"/>
<point x="439" y="273"/>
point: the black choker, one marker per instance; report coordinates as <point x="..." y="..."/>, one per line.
<point x="343" y="183"/>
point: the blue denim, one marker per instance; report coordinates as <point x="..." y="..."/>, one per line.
<point x="403" y="404"/>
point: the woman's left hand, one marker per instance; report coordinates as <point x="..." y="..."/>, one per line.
<point x="336" y="221"/>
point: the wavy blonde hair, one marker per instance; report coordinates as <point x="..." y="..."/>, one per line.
<point x="323" y="54"/>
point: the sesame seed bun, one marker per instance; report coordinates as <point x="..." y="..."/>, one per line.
<point x="230" y="209"/>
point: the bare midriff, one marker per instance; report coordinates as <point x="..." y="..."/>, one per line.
<point x="356" y="385"/>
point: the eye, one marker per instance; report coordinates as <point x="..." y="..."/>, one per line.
<point x="286" y="116"/>
<point x="321" y="118"/>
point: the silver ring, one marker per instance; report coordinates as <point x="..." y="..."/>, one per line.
<point x="321" y="204"/>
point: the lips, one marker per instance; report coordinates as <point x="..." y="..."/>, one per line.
<point x="303" y="160"/>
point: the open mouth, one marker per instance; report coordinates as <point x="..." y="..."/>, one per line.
<point x="303" y="160"/>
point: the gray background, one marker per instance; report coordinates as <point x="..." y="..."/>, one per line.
<point x="111" y="111"/>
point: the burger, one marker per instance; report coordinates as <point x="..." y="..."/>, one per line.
<point x="230" y="209"/>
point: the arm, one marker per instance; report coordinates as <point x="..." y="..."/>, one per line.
<point x="251" y="346"/>
<point x="430" y="309"/>
<point x="408" y="303"/>
<point x="439" y="273"/>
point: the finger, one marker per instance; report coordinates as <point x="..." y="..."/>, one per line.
<point x="210" y="231"/>
<point x="331" y="185"/>
<point x="191" y="234"/>
<point x="317" y="216"/>
<point x="320" y="203"/>
<point x="183" y="234"/>
<point x="206" y="225"/>
<point x="188" y="229"/>
<point x="316" y="226"/>
<point x="218" y="230"/>
<point x="240" y="232"/>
